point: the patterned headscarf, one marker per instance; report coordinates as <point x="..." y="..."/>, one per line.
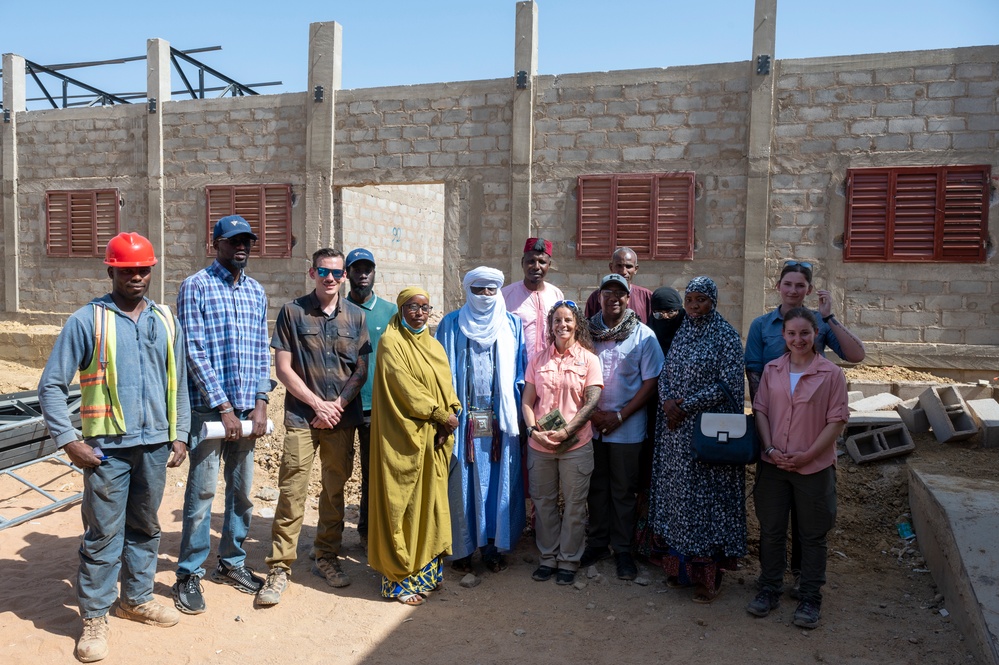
<point x="705" y="285"/>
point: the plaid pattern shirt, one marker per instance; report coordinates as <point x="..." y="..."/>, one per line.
<point x="225" y="331"/>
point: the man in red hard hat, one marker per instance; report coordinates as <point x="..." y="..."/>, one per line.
<point x="135" y="421"/>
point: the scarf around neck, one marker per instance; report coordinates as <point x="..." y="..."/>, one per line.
<point x="622" y="331"/>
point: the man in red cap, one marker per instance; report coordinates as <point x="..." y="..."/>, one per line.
<point x="531" y="298"/>
<point x="624" y="262"/>
<point x="135" y="421"/>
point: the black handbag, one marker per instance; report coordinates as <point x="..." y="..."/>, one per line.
<point x="726" y="438"/>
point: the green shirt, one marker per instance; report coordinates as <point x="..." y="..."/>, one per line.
<point x="377" y="314"/>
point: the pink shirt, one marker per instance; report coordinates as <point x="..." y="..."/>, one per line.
<point x="796" y="421"/>
<point x="560" y="381"/>
<point x="532" y="308"/>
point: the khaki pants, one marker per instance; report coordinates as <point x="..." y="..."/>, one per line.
<point x="336" y="454"/>
<point x="560" y="540"/>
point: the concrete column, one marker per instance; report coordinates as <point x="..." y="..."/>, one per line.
<point x="14" y="102"/>
<point x="525" y="59"/>
<point x="761" y="120"/>
<point x="325" y="68"/>
<point x="158" y="89"/>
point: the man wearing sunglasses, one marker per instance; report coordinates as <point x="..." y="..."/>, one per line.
<point x="321" y="352"/>
<point x="224" y="316"/>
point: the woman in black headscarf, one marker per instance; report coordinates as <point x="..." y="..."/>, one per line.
<point x="667" y="316"/>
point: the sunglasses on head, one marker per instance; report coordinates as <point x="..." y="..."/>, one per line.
<point x="571" y="304"/>
<point x="326" y="272"/>
<point x="804" y="264"/>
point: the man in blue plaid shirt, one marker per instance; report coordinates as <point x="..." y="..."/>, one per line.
<point x="224" y="316"/>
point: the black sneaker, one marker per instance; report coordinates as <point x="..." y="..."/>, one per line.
<point x="241" y="578"/>
<point x="626" y="568"/>
<point x="807" y="615"/>
<point x="565" y="577"/>
<point x="765" y="601"/>
<point x="543" y="574"/>
<point x="593" y="554"/>
<point x="187" y="594"/>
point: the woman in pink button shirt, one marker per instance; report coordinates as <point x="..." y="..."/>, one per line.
<point x="801" y="409"/>
<point x="565" y="376"/>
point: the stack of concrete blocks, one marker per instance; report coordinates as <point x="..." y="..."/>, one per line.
<point x="875" y="431"/>
<point x="986" y="415"/>
<point x="948" y="413"/>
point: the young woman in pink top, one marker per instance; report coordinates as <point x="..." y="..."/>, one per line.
<point x="801" y="409"/>
<point x="565" y="376"/>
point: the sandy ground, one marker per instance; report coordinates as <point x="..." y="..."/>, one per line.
<point x="881" y="606"/>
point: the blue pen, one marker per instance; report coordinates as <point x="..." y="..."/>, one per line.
<point x="100" y="453"/>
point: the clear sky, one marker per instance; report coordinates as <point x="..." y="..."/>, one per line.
<point x="394" y="42"/>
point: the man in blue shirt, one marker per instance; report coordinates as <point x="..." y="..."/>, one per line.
<point x="135" y="422"/>
<point x="631" y="360"/>
<point x="360" y="266"/>
<point x="224" y="316"/>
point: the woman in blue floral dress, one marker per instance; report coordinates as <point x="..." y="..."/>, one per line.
<point x="697" y="512"/>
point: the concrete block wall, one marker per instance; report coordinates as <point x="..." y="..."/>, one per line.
<point x="897" y="109"/>
<point x="233" y="141"/>
<point x="656" y="120"/>
<point x="403" y="226"/>
<point x="93" y="148"/>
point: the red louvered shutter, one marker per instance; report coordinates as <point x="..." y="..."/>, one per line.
<point x="652" y="213"/>
<point x="867" y="212"/>
<point x="593" y="230"/>
<point x="80" y="222"/>
<point x="965" y="213"/>
<point x="266" y="208"/>
<point x="917" y="213"/>
<point x="674" y="222"/>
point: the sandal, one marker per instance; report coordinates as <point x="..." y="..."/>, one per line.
<point x="495" y="563"/>
<point x="705" y="596"/>
<point x="673" y="582"/>
<point x="411" y="599"/>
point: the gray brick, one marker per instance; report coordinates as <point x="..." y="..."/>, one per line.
<point x="702" y="151"/>
<point x="443" y="159"/>
<point x="829" y="129"/>
<point x="849" y="144"/>
<point x="443" y="131"/>
<point x="562" y="140"/>
<point x="899" y="75"/>
<point x="472" y="159"/>
<point x="975" y="105"/>
<point x="669" y="152"/>
<point x="454" y="145"/>
<point x="971" y="141"/>
<point x="891" y="142"/>
<point x="869" y="127"/>
<point x="575" y="155"/>
<point x="687" y="104"/>
<point x="816" y="146"/>
<point x="903" y="125"/>
<point x="660" y="136"/>
<point x="591" y="139"/>
<point x="622" y="138"/>
<point x="638" y="153"/>
<point x="608" y="92"/>
<point x="872" y="93"/>
<point x="809" y="113"/>
<point x="702" y="117"/>
<point x="934" y="73"/>
<point x="687" y="134"/>
<point x="934" y="106"/>
<point x="605" y="122"/>
<point x="638" y="121"/>
<point x="480" y="143"/>
<point x="361" y="163"/>
<point x="931" y="142"/>
<point x="670" y="119"/>
<point x="831" y="95"/>
<point x="383" y="133"/>
<point x="787" y="131"/>
<point x="471" y="129"/>
<point x="574" y="125"/>
<point x="983" y="88"/>
<point x="947" y="89"/>
<point x="817" y="80"/>
<point x="607" y="155"/>
<point x="893" y="109"/>
<point x="622" y="108"/>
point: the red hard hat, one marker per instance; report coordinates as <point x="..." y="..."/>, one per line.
<point x="129" y="250"/>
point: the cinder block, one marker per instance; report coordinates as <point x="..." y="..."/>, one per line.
<point x="948" y="414"/>
<point x="854" y="396"/>
<point x="881" y="402"/>
<point x="881" y="443"/>
<point x="870" y="388"/>
<point x="913" y="416"/>
<point x="975" y="390"/>
<point x="865" y="421"/>
<point x="906" y="390"/>
<point x="986" y="415"/>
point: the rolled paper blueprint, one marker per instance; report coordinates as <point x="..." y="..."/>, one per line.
<point x="214" y="429"/>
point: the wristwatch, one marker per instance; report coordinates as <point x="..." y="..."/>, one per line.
<point x="827" y="319"/>
<point x="530" y="431"/>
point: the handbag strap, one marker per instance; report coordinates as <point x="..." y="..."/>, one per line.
<point x="731" y="397"/>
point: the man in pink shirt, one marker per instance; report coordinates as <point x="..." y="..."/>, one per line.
<point x="531" y="298"/>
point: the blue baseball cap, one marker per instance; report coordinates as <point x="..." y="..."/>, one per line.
<point x="230" y="226"/>
<point x="614" y="278"/>
<point x="359" y="254"/>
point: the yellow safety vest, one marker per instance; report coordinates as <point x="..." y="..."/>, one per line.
<point x="100" y="410"/>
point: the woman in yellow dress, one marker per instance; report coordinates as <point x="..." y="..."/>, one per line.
<point x="413" y="417"/>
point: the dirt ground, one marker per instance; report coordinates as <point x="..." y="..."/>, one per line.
<point x="881" y="606"/>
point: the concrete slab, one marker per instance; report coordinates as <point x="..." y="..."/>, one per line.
<point x="854" y="396"/>
<point x="879" y="418"/>
<point x="907" y="390"/>
<point x="879" y="402"/>
<point x="956" y="521"/>
<point x="986" y="415"/>
<point x="869" y="388"/>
